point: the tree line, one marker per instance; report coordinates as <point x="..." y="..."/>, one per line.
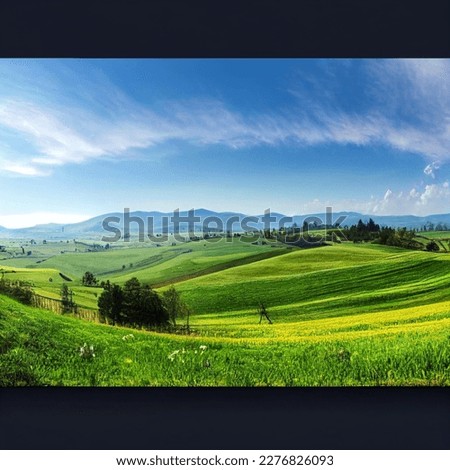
<point x="372" y="232"/>
<point x="138" y="305"/>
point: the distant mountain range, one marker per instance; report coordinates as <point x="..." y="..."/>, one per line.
<point x="94" y="229"/>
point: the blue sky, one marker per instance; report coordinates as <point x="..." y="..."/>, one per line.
<point x="80" y="138"/>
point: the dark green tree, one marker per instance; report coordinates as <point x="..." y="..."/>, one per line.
<point x="372" y="226"/>
<point x="89" y="279"/>
<point x="131" y="302"/>
<point x="174" y="306"/>
<point x="110" y="303"/>
<point x="134" y="304"/>
<point x="67" y="303"/>
<point x="142" y="306"/>
<point x="151" y="312"/>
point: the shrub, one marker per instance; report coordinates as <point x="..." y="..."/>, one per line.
<point x="432" y="246"/>
<point x="18" y="290"/>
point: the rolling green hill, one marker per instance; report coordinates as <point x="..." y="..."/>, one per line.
<point x="323" y="282"/>
<point x="348" y="314"/>
<point x="132" y="260"/>
<point x="153" y="265"/>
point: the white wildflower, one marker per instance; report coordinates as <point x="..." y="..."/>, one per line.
<point x="128" y="337"/>
<point x="87" y="351"/>
<point x="173" y="354"/>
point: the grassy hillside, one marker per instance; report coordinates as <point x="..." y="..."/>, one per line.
<point x="349" y="314"/>
<point x="153" y="265"/>
<point x="324" y="282"/>
<point x="443" y="235"/>
<point x="38" y="347"/>
<point x="48" y="282"/>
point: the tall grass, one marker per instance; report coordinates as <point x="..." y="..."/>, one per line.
<point x="38" y="347"/>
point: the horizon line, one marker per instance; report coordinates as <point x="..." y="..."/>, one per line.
<point x="88" y="218"/>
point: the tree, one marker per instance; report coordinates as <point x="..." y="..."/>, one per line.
<point x="89" y="279"/>
<point x="110" y="303"/>
<point x="361" y="226"/>
<point x="151" y="311"/>
<point x="174" y="306"/>
<point x="130" y="305"/>
<point x="134" y="304"/>
<point x="142" y="306"/>
<point x="68" y="305"/>
<point x="263" y="313"/>
<point x="372" y="226"/>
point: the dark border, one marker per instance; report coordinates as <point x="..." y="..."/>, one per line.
<point x="221" y="418"/>
<point x="231" y="28"/>
<point x="217" y="418"/>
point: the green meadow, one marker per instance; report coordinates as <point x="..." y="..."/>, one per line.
<point x="343" y="314"/>
<point x="442" y="234"/>
<point x="151" y="264"/>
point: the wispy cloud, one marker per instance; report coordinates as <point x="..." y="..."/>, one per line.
<point x="35" y="218"/>
<point x="63" y="136"/>
<point x="409" y="111"/>
<point x="407" y="107"/>
<point x="21" y="169"/>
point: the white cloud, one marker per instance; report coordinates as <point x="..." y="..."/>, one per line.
<point x="20" y="169"/>
<point x="410" y="113"/>
<point x="432" y="199"/>
<point x="430" y="170"/>
<point x="61" y="138"/>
